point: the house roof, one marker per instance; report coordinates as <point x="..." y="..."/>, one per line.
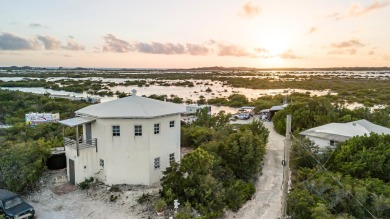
<point x="248" y="107"/>
<point x="76" y="121"/>
<point x="344" y="131"/>
<point x="277" y="108"/>
<point x="132" y="107"/>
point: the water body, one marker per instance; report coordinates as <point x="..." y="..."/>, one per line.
<point x="41" y="90"/>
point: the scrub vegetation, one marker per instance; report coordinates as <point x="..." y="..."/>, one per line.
<point x="350" y="182"/>
<point x="365" y="86"/>
<point x="219" y="174"/>
<point x="23" y="148"/>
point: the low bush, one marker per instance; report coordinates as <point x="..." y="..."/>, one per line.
<point x="86" y="184"/>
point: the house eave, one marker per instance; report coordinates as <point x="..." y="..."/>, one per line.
<point x="129" y="117"/>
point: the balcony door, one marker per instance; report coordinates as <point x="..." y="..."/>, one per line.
<point x="88" y="133"/>
<point x="71" y="172"/>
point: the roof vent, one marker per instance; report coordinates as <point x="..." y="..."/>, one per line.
<point x="134" y="92"/>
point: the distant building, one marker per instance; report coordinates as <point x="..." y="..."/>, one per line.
<point x="125" y="141"/>
<point x="191" y="109"/>
<point x="5" y="126"/>
<point x="330" y="134"/>
<point x="38" y="118"/>
<point x="275" y="109"/>
<point x="71" y="97"/>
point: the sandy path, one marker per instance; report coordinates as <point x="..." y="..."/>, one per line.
<point x="266" y="203"/>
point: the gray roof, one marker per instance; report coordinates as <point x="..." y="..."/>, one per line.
<point x="76" y="121"/>
<point x="343" y="131"/>
<point x="277" y="108"/>
<point x="132" y="107"/>
<point x="371" y="127"/>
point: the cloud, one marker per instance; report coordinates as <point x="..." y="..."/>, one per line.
<point x="386" y="58"/>
<point x="36" y="25"/>
<point x="49" y="42"/>
<point x="73" y="45"/>
<point x="232" y="50"/>
<point x="261" y="50"/>
<point x="262" y="53"/>
<point x="249" y="10"/>
<point x="196" y="49"/>
<point x="356" y="10"/>
<point x="114" y="44"/>
<point x="312" y="30"/>
<point x="372" y="52"/>
<point x="160" y="48"/>
<point x="345" y="47"/>
<point x="335" y="52"/>
<point x="289" y="54"/>
<point x="9" y="41"/>
<point x="350" y="51"/>
<point x="347" y="44"/>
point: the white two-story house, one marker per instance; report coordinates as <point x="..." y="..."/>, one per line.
<point x="125" y="141"/>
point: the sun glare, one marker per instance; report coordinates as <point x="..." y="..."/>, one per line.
<point x="275" y="43"/>
<point x="274" y="40"/>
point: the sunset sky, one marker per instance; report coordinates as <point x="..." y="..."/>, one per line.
<point x="187" y="34"/>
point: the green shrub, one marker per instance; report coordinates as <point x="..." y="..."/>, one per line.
<point x="113" y="198"/>
<point x="238" y="194"/>
<point x="21" y="165"/>
<point x="86" y="183"/>
<point x="144" y="198"/>
<point x="160" y="205"/>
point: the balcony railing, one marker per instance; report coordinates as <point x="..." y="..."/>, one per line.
<point x="82" y="143"/>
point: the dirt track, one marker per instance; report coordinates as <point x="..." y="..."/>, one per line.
<point x="267" y="201"/>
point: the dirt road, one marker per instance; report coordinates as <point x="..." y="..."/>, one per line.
<point x="267" y="201"/>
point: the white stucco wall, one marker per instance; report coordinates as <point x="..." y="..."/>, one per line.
<point x="322" y="143"/>
<point x="129" y="159"/>
<point x="84" y="164"/>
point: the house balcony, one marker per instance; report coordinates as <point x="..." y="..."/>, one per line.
<point x="80" y="144"/>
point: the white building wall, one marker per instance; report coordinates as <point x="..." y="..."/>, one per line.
<point x="129" y="159"/>
<point x="84" y="164"/>
<point x="163" y="144"/>
<point x="322" y="143"/>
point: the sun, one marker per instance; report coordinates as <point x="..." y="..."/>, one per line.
<point x="275" y="41"/>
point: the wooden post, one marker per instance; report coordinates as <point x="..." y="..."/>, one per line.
<point x="77" y="140"/>
<point x="63" y="135"/>
<point x="286" y="163"/>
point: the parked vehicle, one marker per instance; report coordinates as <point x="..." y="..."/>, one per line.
<point x="244" y="116"/>
<point x="13" y="206"/>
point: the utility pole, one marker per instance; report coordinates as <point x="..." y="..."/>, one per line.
<point x="286" y="164"/>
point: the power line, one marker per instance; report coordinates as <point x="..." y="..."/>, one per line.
<point x="333" y="177"/>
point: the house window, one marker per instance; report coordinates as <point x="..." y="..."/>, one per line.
<point x="332" y="143"/>
<point x="157" y="128"/>
<point x="138" y="130"/>
<point x="172" y="124"/>
<point x="171" y="157"/>
<point x="156" y="163"/>
<point x="116" y="130"/>
<point x="101" y="163"/>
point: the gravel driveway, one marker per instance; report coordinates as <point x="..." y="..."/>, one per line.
<point x="267" y="201"/>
